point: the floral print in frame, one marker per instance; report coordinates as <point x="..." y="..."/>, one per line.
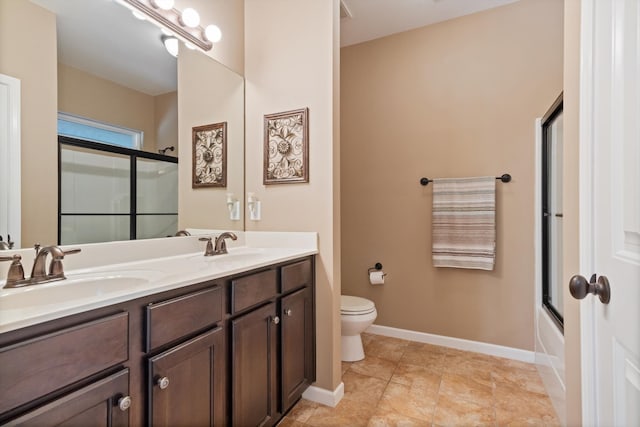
<point x="209" y="155"/>
<point x="286" y="147"/>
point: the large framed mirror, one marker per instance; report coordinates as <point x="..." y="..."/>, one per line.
<point x="113" y="68"/>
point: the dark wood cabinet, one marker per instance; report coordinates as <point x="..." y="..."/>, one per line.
<point x="102" y="403"/>
<point x="237" y="351"/>
<point x="186" y="384"/>
<point x="254" y="367"/>
<point x="297" y="346"/>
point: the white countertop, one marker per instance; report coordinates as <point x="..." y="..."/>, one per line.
<point x="168" y="264"/>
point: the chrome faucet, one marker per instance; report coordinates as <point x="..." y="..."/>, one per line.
<point x="221" y="245"/>
<point x="39" y="274"/>
<point x="182" y="233"/>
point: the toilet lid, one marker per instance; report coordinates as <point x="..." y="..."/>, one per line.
<point x="349" y="304"/>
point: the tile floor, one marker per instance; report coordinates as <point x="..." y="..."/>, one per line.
<point x="405" y="383"/>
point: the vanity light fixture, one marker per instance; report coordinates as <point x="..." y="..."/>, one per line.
<point x="185" y="24"/>
<point x="171" y="44"/>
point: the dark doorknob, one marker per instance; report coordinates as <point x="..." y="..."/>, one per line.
<point x="580" y="287"/>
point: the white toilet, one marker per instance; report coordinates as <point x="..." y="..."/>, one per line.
<point x="356" y="315"/>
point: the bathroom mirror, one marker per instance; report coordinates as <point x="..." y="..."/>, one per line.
<point x="101" y="41"/>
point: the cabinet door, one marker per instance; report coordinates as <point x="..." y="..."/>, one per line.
<point x="298" y="346"/>
<point x="102" y="403"/>
<point x="187" y="383"/>
<point x="253" y="359"/>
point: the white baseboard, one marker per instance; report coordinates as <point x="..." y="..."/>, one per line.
<point x="460" y="344"/>
<point x="324" y="396"/>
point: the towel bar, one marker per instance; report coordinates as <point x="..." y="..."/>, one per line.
<point x="504" y="178"/>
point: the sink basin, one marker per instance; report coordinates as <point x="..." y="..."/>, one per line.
<point x="76" y="287"/>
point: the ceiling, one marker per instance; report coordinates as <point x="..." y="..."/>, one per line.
<point x="372" y="19"/>
<point x="104" y="39"/>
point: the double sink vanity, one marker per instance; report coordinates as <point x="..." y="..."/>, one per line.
<point x="156" y="333"/>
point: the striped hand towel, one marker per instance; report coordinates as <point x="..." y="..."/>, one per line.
<point x="464" y="229"/>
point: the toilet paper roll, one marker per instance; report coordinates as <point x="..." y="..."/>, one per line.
<point x="376" y="277"/>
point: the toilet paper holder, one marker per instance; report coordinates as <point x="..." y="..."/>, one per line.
<point x="377" y="266"/>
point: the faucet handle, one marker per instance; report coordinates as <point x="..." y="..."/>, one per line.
<point x="56" y="268"/>
<point x="209" y="250"/>
<point x="16" y="272"/>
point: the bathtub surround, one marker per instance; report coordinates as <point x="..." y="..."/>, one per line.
<point x="462" y="96"/>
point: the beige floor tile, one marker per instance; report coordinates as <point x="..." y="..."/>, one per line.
<point x="412" y="374"/>
<point x="470" y="365"/>
<point x="515" y="406"/>
<point x="389" y="418"/>
<point x="345" y="366"/>
<point x="347" y="413"/>
<point x="523" y="379"/>
<point x="411" y="401"/>
<point x="455" y="412"/>
<point x="363" y="388"/>
<point x="374" y="367"/>
<point x="288" y="422"/>
<point x="424" y="355"/>
<point x="402" y="383"/>
<point x="386" y="348"/>
<point x="302" y="410"/>
<point x="462" y="387"/>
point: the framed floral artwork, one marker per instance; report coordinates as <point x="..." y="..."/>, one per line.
<point x="209" y="155"/>
<point x="286" y="147"/>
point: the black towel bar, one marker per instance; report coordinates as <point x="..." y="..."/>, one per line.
<point x="504" y="178"/>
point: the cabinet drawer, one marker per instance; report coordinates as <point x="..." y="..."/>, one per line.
<point x="296" y="275"/>
<point x="170" y="320"/>
<point x="254" y="289"/>
<point x="41" y="365"/>
<point x="94" y="405"/>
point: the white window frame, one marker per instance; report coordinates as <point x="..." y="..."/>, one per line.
<point x="137" y="135"/>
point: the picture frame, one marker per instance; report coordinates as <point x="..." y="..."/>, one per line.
<point x="209" y="154"/>
<point x="286" y="147"/>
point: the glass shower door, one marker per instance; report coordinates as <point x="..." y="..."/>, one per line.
<point x="157" y="198"/>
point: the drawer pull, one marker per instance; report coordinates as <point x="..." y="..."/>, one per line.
<point x="124" y="403"/>
<point x="275" y="320"/>
<point x="163" y="383"/>
<point x="288" y="312"/>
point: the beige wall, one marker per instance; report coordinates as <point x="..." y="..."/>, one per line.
<point x="289" y="67"/>
<point x="89" y="96"/>
<point x="229" y="16"/>
<point x="454" y="99"/>
<point x="166" y="121"/>
<point x="209" y="93"/>
<point x="571" y="240"/>
<point x="29" y="53"/>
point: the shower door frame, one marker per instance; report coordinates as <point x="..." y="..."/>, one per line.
<point x="549" y="118"/>
<point x="113" y="149"/>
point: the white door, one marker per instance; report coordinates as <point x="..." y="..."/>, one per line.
<point x="610" y="210"/>
<point x="10" y="158"/>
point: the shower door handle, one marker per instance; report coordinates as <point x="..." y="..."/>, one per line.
<point x="580" y="287"/>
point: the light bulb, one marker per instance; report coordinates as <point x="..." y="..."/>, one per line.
<point x="190" y="17"/>
<point x="171" y="44"/>
<point x="139" y="15"/>
<point x="164" y="4"/>
<point x="213" y="33"/>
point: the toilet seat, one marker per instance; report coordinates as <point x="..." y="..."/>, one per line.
<point x="356" y="306"/>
